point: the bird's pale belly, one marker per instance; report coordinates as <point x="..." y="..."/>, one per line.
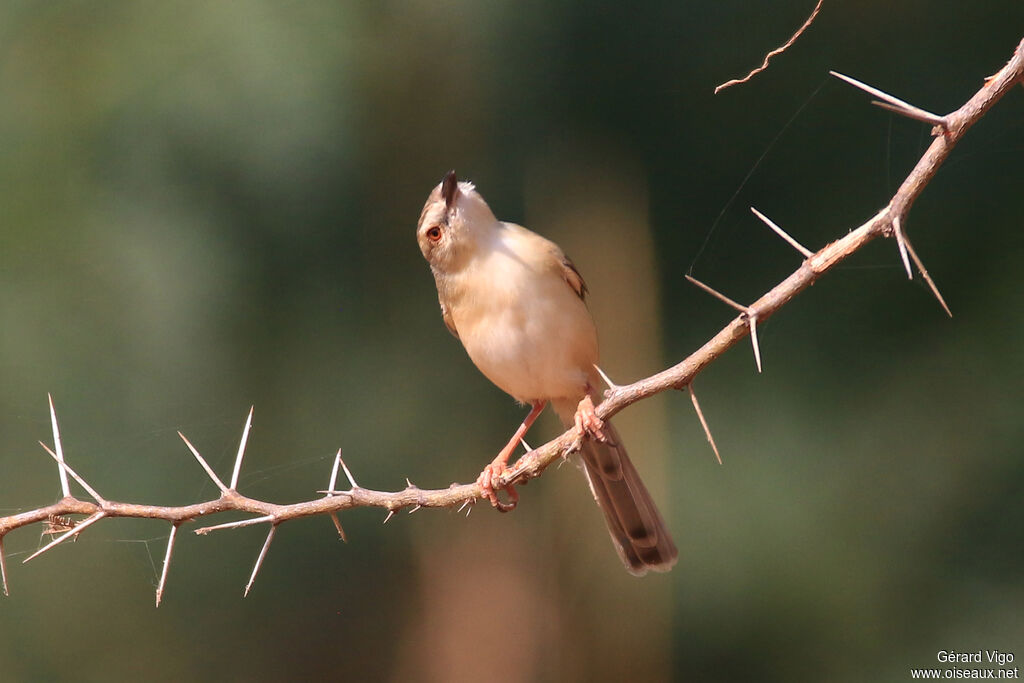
<point x="534" y="355"/>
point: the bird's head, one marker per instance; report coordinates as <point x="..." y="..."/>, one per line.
<point x="454" y="218"/>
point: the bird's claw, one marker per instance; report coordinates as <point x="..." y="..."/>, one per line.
<point x="490" y="482"/>
<point x="587" y="421"/>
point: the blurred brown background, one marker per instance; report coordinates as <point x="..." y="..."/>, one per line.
<point x="207" y="206"/>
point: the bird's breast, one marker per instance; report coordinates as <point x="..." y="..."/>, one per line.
<point x="523" y="327"/>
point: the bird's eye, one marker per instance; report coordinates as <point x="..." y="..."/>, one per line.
<point x="434" y="234"/>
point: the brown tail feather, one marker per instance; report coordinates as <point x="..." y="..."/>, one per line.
<point x="636" y="527"/>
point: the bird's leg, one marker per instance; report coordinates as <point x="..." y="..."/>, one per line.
<point x="587" y="421"/>
<point x="488" y="479"/>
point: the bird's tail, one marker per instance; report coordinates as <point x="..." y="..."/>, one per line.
<point x="636" y="527"/>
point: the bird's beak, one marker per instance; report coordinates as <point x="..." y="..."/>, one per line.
<point x="449" y="186"/>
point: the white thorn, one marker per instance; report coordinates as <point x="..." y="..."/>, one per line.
<point x="337" y="525"/>
<point x="464" y="504"/>
<point x="752" y="319"/>
<point x="3" y="566"/>
<point x="66" y="467"/>
<point x="897" y="228"/>
<point x="525" y="445"/>
<point x="607" y="380"/>
<point x="259" y="560"/>
<point x="235" y="525"/>
<point x="334" y="473"/>
<point x="64" y="486"/>
<point x="210" y="473"/>
<point x="391" y="513"/>
<point x="704" y="423"/>
<point x="167" y="564"/>
<point x="241" y="450"/>
<point x="783" y="234"/>
<point x="73" y="532"/>
<point x="351" y="479"/>
<point x="414" y="509"/>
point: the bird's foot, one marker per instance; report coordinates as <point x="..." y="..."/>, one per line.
<point x="587" y="421"/>
<point x="490" y="483"/>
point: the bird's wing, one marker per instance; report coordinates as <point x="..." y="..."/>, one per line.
<point x="572" y="275"/>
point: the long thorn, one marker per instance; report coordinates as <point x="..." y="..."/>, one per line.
<point x="704" y="423"/>
<point x="928" y="278"/>
<point x="3" y="566"/>
<point x="66" y="467"/>
<point x="895" y="104"/>
<point x="718" y="295"/>
<point x="337" y="525"/>
<point x="783" y="234"/>
<point x="259" y="560"/>
<point x="167" y="564"/>
<point x="901" y="242"/>
<point x="334" y="472"/>
<point x="63" y="537"/>
<point x="753" y="340"/>
<point x="351" y="479"/>
<point x="241" y="450"/>
<point x="235" y="525"/>
<point x="914" y="113"/>
<point x="64" y="486"/>
<point x="414" y="508"/>
<point x="209" y="470"/>
<point x="607" y="380"/>
<point x="391" y="513"/>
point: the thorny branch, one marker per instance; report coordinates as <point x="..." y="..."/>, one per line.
<point x="888" y="222"/>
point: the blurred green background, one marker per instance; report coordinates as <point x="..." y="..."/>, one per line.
<point x="207" y="206"/>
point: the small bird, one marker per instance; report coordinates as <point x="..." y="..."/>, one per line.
<point x="516" y="302"/>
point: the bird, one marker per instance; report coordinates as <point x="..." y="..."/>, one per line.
<point x="517" y="304"/>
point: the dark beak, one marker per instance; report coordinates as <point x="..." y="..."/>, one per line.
<point x="449" y="186"/>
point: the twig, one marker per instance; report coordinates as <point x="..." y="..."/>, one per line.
<point x="617" y="398"/>
<point x="777" y="51"/>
